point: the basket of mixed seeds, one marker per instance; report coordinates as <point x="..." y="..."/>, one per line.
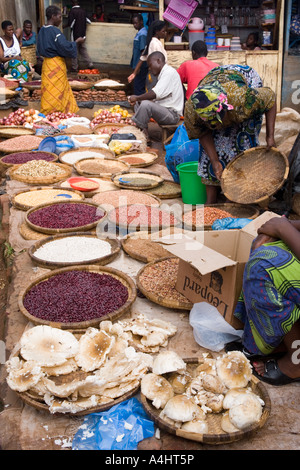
<point x="40" y="172"/>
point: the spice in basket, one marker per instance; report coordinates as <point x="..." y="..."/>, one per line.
<point x="147" y="249"/>
<point x="65" y="215"/>
<point x="24" y="157"/>
<point x="141" y="181"/>
<point x="75" y="296"/>
<point x="205" y="216"/>
<point x="39" y="169"/>
<point x="42" y="196"/>
<point x="21" y="143"/>
<point x="125" y="197"/>
<point x="138" y="215"/>
<point x="96" y="166"/>
<point x="73" y="250"/>
<point x="160" y="279"/>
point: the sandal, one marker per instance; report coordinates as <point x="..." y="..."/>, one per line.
<point x="238" y="346"/>
<point x="273" y="375"/>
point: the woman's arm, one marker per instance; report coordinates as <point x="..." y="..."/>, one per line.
<point x="136" y="71"/>
<point x="207" y="142"/>
<point x="283" y="229"/>
<point x="270" y="126"/>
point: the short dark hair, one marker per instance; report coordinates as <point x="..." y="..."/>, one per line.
<point x="5" y="24"/>
<point x="199" y="48"/>
<point x="139" y="16"/>
<point x="27" y="22"/>
<point x="52" y="10"/>
<point x="157" y="55"/>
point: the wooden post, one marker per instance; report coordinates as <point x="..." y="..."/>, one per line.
<point x="42" y="12"/>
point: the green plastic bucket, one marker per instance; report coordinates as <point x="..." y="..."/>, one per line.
<point x="192" y="189"/>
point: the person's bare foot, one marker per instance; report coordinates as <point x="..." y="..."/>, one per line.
<point x="285" y="364"/>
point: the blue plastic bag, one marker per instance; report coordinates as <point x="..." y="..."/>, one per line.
<point x="230" y="223"/>
<point x="122" y="427"/>
<point x="180" y="150"/>
<point x="63" y="144"/>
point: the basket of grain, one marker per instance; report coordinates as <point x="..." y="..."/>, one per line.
<point x="22" y="143"/>
<point x="254" y="175"/>
<point x="80" y="84"/>
<point x="157" y="280"/>
<point x="77" y="130"/>
<point x="40" y="172"/>
<point x="122" y="197"/>
<point x="167" y="190"/>
<point x="76" y="248"/>
<point x="26" y="199"/>
<point x="136" y="179"/>
<point x="139" y="159"/>
<point x="8" y="132"/>
<point x="19" y="158"/>
<point x="203" y="217"/>
<point x="107" y="83"/>
<point x="65" y="217"/>
<point x="100" y="167"/>
<point x="70" y="157"/>
<point x="78" y="297"/>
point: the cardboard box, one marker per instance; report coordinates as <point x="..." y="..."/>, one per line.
<point x="212" y="264"/>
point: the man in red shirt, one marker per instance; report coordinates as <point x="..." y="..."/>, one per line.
<point x="192" y="71"/>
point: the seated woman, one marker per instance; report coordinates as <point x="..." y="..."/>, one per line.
<point x="252" y="43"/>
<point x="10" y="53"/>
<point x="269" y="305"/>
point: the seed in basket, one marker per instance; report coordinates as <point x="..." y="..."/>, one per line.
<point x="75" y="296"/>
<point x="138" y="215"/>
<point x="64" y="216"/>
<point x="38" y="169"/>
<point x="24" y="157"/>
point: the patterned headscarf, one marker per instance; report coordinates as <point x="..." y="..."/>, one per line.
<point x="210" y="103"/>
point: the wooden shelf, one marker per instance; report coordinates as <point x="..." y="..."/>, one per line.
<point x="125" y="7"/>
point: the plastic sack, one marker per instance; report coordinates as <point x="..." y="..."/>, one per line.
<point x="180" y="150"/>
<point x="210" y="329"/>
<point x="63" y="144"/>
<point x="122" y="427"/>
<point x="230" y="223"/>
<point x="78" y="121"/>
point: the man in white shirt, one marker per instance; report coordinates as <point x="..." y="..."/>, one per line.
<point x="164" y="103"/>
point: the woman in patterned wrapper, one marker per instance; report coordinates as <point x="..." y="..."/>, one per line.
<point x="11" y="59"/>
<point x="269" y="305"/>
<point x="225" y="113"/>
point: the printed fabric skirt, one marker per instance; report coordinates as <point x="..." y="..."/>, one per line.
<point x="231" y="141"/>
<point x="57" y="95"/>
<point x="269" y="304"/>
<point x="18" y="69"/>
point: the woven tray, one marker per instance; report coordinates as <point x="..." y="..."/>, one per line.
<point x="254" y="175"/>
<point x="8" y="132"/>
<point x="161" y="299"/>
<point x="101" y="151"/>
<point x="28" y="234"/>
<point x="92" y="77"/>
<point x="296" y="203"/>
<point x="41" y="180"/>
<point x="9" y="165"/>
<point x="24" y="207"/>
<point x="112" y="316"/>
<point x="53" y="231"/>
<point x="101" y="261"/>
<point x="104" y="199"/>
<point x="216" y="435"/>
<point x="167" y="190"/>
<point x="113" y="166"/>
<point x="32" y="143"/>
<point x="236" y="210"/>
<point x="157" y="180"/>
<point x="148" y="157"/>
<point x="151" y="251"/>
<point x="133" y="209"/>
<point x="79" y="85"/>
<point x="108" y="125"/>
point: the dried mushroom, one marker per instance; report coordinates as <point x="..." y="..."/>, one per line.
<point x="157" y="389"/>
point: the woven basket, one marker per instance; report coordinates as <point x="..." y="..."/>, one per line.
<point x="163" y="191"/>
<point x="43" y="179"/>
<point x="33" y="142"/>
<point x="112" y="316"/>
<point x="92" y="77"/>
<point x="32" y="86"/>
<point x="142" y="255"/>
<point x="235" y="210"/>
<point x="24" y="207"/>
<point x="132" y="226"/>
<point x="99" y="85"/>
<point x="108" y="125"/>
<point x="29" y="53"/>
<point x="99" y="198"/>
<point x="102" y="152"/>
<point x="80" y="85"/>
<point x="101" y="261"/>
<point x="215" y="436"/>
<point x="157" y="180"/>
<point x="28" y="234"/>
<point x="8" y="132"/>
<point x="254" y="175"/>
<point x="53" y="231"/>
<point x="161" y="299"/>
<point x="148" y="157"/>
<point x="9" y="165"/>
<point x="109" y="162"/>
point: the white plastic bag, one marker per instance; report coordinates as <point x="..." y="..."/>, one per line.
<point x="210" y="329"/>
<point x="78" y="121"/>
